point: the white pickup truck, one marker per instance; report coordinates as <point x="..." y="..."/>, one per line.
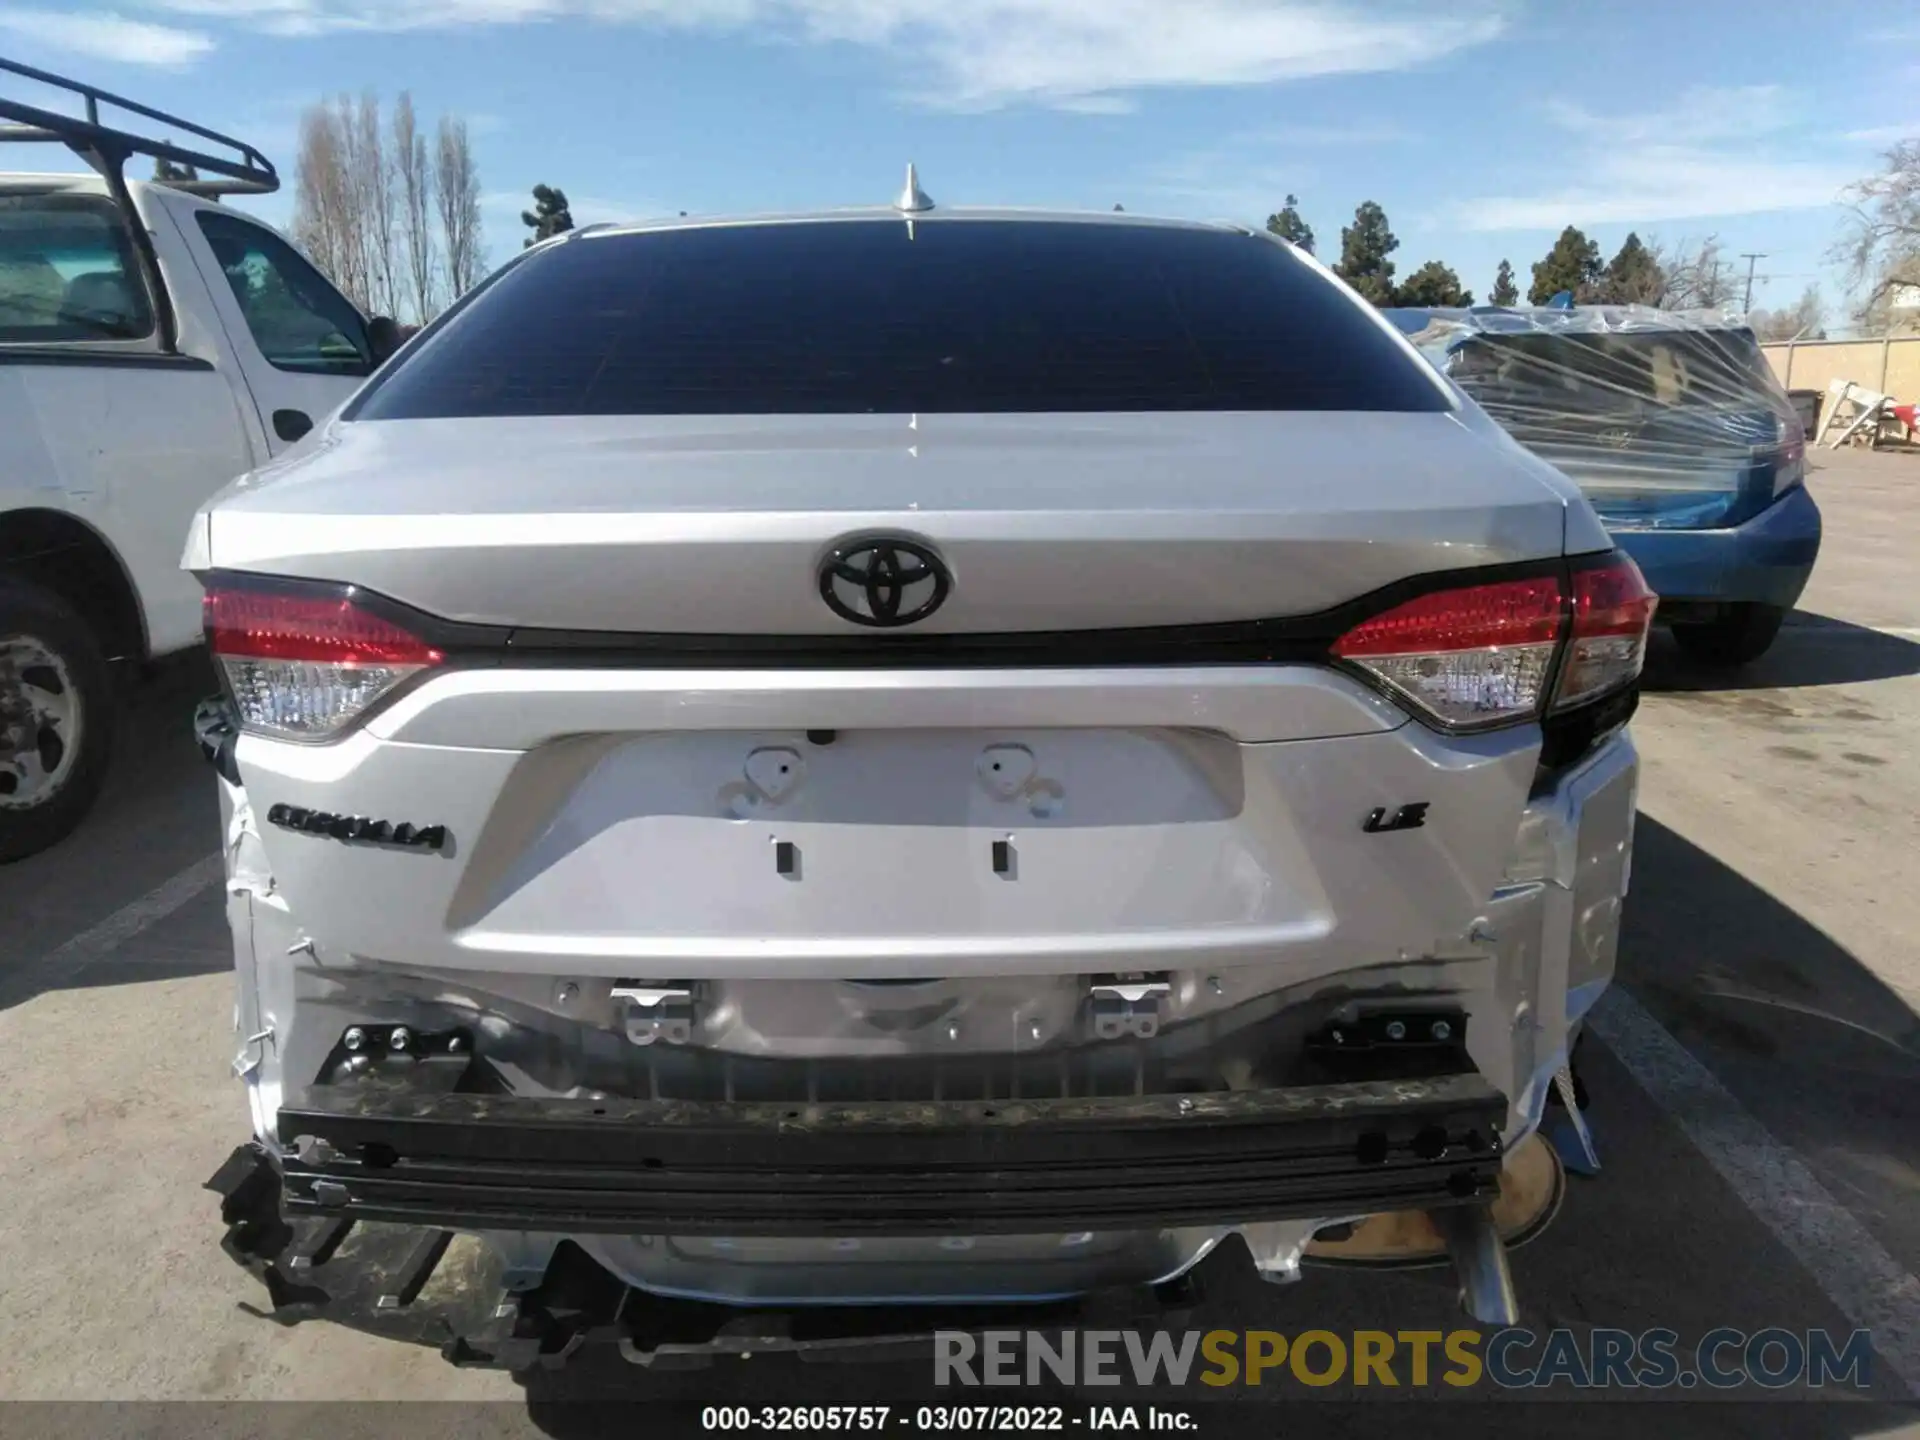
<point x="154" y="344"/>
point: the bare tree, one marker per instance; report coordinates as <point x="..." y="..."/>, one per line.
<point x="457" y="187"/>
<point x="327" y="222"/>
<point x="1882" y="241"/>
<point x="413" y="177"/>
<point x="1803" y="322"/>
<point x="1697" y="278"/>
<point x="343" y="199"/>
<point x="373" y="174"/>
<point x="367" y="204"/>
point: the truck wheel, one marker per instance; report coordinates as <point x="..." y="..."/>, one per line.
<point x="56" y="719"/>
<point x="1742" y="632"/>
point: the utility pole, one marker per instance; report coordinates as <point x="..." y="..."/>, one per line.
<point x="1750" y="257"/>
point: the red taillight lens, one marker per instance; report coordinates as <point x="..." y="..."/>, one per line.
<point x="1469" y="658"/>
<point x="1511" y="612"/>
<point x="1612" y="613"/>
<point x="322" y="629"/>
<point x="304" y="666"/>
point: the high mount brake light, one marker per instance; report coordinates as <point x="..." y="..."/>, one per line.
<point x="1481" y="656"/>
<point x="305" y="665"/>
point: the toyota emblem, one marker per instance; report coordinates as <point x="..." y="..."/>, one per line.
<point x="884" y="582"/>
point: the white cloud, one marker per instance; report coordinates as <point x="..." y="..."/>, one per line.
<point x="1885" y="134"/>
<point x="1084" y="55"/>
<point x="1670" y="183"/>
<point x="1247" y="175"/>
<point x="1218" y="185"/>
<point x="1053" y="51"/>
<point x="1096" y="105"/>
<point x="1695" y="160"/>
<point x="1365" y="132"/>
<point x="1703" y="115"/>
<point x="107" y="37"/>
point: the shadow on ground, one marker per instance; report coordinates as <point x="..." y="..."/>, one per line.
<point x="1821" y="1050"/>
<point x="1728" y="963"/>
<point x="1811" y="650"/>
<point x="157" y="815"/>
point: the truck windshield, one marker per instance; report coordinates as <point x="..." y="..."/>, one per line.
<point x="866" y="316"/>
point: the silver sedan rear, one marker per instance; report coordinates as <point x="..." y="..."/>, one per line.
<point x="882" y="756"/>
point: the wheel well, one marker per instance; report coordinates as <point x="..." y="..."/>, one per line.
<point x="68" y="557"/>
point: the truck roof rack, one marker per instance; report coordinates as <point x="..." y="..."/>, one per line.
<point x="106" y="148"/>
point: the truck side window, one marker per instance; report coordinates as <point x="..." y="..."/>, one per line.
<point x="67" y="272"/>
<point x="299" y="321"/>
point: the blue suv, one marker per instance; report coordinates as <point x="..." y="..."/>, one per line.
<point x="1679" y="434"/>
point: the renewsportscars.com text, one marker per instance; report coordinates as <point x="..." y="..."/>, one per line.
<point x="1511" y="1359"/>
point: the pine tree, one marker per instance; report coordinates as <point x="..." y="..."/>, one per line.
<point x="1364" y="247"/>
<point x="1572" y="265"/>
<point x="1290" y="227"/>
<point x="1505" y="292"/>
<point x="549" y="216"/>
<point x="1634" y="276"/>
<point x="1433" y="284"/>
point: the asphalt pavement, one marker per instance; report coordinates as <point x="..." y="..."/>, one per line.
<point x="1753" y="1084"/>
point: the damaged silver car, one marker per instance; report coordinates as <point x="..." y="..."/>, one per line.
<point x="897" y="756"/>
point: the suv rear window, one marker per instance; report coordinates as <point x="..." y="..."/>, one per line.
<point x="67" y="272"/>
<point x="874" y="316"/>
<point x="1668" y="367"/>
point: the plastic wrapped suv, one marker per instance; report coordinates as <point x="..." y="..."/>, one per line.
<point x="1678" y="432"/>
<point x="892" y="756"/>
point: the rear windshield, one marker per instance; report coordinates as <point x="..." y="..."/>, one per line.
<point x="852" y="317"/>
<point x="1667" y="367"/>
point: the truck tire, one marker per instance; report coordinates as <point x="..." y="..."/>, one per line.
<point x="1740" y="633"/>
<point x="56" y="719"/>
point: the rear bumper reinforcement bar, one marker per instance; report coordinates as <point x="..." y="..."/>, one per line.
<point x="428" y="1286"/>
<point x="486" y="1162"/>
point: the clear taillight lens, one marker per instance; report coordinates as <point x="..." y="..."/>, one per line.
<point x="1612" y="613"/>
<point x="1469" y="658"/>
<point x="302" y="666"/>
<point x="1790" y="461"/>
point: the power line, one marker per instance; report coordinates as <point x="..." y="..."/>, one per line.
<point x="1751" y="257"/>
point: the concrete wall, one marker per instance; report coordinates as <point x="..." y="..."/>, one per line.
<point x="1891" y="366"/>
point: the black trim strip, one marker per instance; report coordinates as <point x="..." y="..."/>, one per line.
<point x="1302" y="639"/>
<point x="112" y="359"/>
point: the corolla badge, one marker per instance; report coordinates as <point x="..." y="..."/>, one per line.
<point x="884" y="581"/>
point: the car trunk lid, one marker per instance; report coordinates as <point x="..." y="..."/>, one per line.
<point x="718" y="525"/>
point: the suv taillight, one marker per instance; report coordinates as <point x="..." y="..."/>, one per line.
<point x="1482" y="656"/>
<point x="302" y="665"/>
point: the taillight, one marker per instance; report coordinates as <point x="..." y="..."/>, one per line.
<point x="303" y="665"/>
<point x="1612" y="613"/>
<point x="1481" y="656"/>
<point x="1789" y="459"/>
<point x="1469" y="658"/>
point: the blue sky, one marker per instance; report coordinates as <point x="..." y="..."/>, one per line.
<point x="1483" y="128"/>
